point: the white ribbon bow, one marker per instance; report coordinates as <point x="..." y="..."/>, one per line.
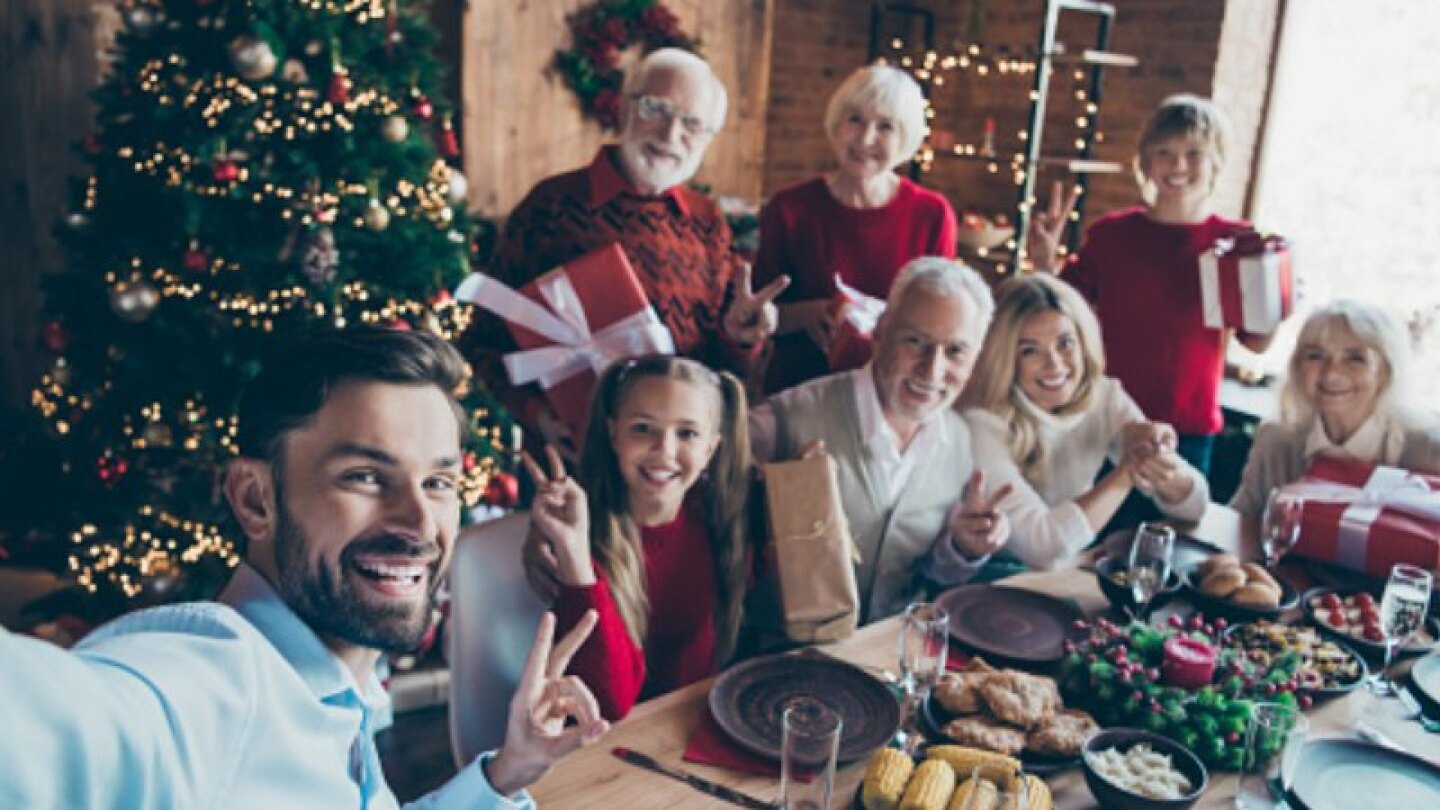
<point x="575" y="349"/>
<point x="864" y="310"/>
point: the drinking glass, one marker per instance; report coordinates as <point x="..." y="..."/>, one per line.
<point x="1150" y="558"/>
<point x="924" y="640"/>
<point x="1280" y="527"/>
<point x="1009" y="788"/>
<point x="809" y="744"/>
<point x="1275" y="735"/>
<point x="1402" y="611"/>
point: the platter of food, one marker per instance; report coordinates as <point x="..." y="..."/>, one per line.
<point x="1354" y="617"/>
<point x="946" y="776"/>
<point x="1132" y="768"/>
<point x="1327" y="668"/>
<point x="1223" y="586"/>
<point x="1006" y="711"/>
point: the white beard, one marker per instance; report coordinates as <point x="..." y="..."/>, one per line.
<point x="643" y="173"/>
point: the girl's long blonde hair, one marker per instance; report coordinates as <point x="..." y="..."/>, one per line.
<point x="723" y="490"/>
<point x="995" y="387"/>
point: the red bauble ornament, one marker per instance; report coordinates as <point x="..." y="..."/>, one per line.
<point x="195" y="259"/>
<point x="92" y="143"/>
<point x="468" y="462"/>
<point x="55" y="337"/>
<point x="398" y="324"/>
<point x="440" y="299"/>
<point x="503" y="490"/>
<point x="225" y="171"/>
<point x="424" y="110"/>
<point x="339" y="92"/>
<point x="449" y="143"/>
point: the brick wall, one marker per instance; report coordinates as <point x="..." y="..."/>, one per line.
<point x="1178" y="43"/>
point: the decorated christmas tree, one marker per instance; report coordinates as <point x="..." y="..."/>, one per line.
<point x="258" y="168"/>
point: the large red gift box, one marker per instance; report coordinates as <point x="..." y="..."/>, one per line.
<point x="571" y="323"/>
<point x="1368" y="517"/>
<point x="1246" y="283"/>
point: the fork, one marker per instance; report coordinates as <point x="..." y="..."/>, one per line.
<point x="1413" y="706"/>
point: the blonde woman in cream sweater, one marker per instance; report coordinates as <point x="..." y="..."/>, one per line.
<point x="1044" y="418"/>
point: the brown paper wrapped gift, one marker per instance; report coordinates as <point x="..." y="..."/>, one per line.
<point x="814" y="555"/>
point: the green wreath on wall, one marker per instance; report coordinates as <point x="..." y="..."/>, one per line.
<point x="600" y="33"/>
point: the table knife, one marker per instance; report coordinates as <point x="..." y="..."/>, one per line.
<point x="699" y="783"/>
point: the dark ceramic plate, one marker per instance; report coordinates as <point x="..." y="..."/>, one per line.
<point x="1213" y="606"/>
<point x="1232" y="635"/>
<point x="933" y="718"/>
<point x="749" y="699"/>
<point x="1009" y="626"/>
<point x="1335" y="774"/>
<point x="1422" y="643"/>
<point x="1425" y="684"/>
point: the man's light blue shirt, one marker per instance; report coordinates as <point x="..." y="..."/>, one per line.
<point x="235" y="703"/>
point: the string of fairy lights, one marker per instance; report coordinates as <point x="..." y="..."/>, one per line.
<point x="936" y="69"/>
<point x="271" y="113"/>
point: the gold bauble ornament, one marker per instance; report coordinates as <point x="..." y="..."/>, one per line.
<point x="377" y="216"/>
<point x="395" y="129"/>
<point x="252" y="57"/>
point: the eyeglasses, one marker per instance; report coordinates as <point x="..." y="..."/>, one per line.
<point x="651" y="108"/>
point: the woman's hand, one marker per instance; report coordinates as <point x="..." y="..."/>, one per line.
<point x="562" y="515"/>
<point x="980" y="527"/>
<point x="1047" y="227"/>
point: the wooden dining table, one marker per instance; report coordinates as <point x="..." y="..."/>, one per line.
<point x="595" y="778"/>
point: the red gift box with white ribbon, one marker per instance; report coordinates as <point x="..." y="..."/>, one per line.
<point x="1246" y="283"/>
<point x="570" y="324"/>
<point x="1368" y="517"/>
<point x="852" y="346"/>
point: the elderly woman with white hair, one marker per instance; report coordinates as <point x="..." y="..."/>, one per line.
<point x="861" y="222"/>
<point x="1345" y="394"/>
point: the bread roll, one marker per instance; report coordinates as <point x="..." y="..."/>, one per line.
<point x="1217" y="562"/>
<point x="1256" y="594"/>
<point x="1223" y="582"/>
<point x="1257" y="573"/>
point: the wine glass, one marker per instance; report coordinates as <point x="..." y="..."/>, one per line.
<point x="1150" y="558"/>
<point x="1402" y="611"/>
<point x="1275" y="736"/>
<point x="1280" y="527"/>
<point x="924" y="641"/>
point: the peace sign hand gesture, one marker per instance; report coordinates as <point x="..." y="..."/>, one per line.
<point x="562" y="515"/>
<point x="752" y="316"/>
<point x="980" y="527"/>
<point x="536" y="734"/>
<point x="1042" y="243"/>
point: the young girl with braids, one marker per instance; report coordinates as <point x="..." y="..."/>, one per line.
<point x="651" y="533"/>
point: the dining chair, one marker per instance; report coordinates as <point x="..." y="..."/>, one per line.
<point x="493" y="618"/>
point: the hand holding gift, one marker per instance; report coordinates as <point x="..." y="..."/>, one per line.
<point x="1246" y="283"/>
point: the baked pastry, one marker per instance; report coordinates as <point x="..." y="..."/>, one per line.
<point x="1019" y="698"/>
<point x="1223" y="582"/>
<point x="959" y="692"/>
<point x="1216" y="562"/>
<point x="983" y="732"/>
<point x="1257" y="573"/>
<point x="1063" y="734"/>
<point x="1256" y="594"/>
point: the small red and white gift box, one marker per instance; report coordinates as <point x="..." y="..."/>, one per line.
<point x="1246" y="283"/>
<point x="1368" y="517"/>
<point x="570" y="324"/>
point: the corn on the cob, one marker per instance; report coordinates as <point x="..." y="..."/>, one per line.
<point x="885" y="779"/>
<point x="1038" y="793"/>
<point x="986" y="797"/>
<point x="930" y="787"/>
<point x="964" y="759"/>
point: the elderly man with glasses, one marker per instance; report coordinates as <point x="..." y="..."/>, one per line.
<point x="677" y="240"/>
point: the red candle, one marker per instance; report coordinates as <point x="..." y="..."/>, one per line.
<point x="1189" y="663"/>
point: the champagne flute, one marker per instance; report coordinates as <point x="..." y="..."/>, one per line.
<point x="1150" y="558"/>
<point x="1280" y="527"/>
<point x="1402" y="611"/>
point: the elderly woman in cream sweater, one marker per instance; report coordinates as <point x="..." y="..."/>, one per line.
<point x="1044" y="418"/>
<point x="1346" y="394"/>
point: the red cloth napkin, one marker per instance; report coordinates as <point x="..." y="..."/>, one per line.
<point x="708" y="745"/>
